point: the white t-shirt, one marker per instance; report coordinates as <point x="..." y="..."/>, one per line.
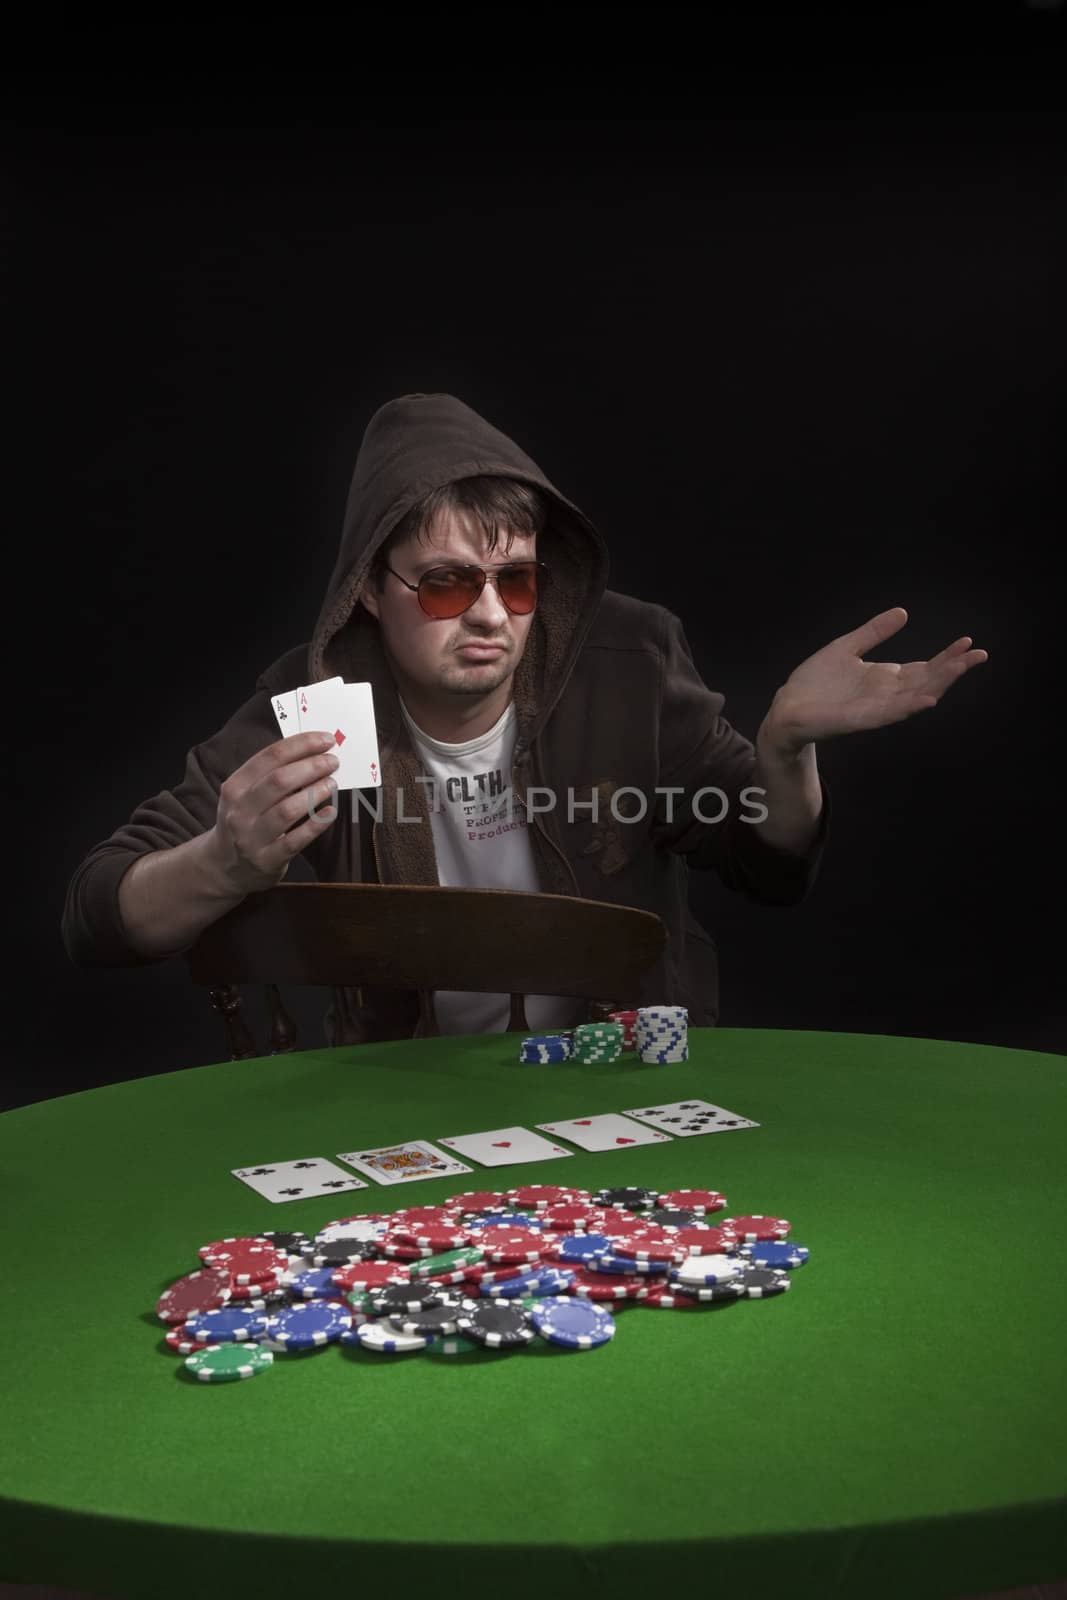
<point x="480" y="844"/>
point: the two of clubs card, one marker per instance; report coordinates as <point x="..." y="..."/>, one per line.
<point x="417" y="1159"/>
<point x="347" y="711"/>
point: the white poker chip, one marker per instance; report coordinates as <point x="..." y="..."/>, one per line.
<point x="388" y="1340"/>
<point x="366" y="1231"/>
<point x="708" y="1269"/>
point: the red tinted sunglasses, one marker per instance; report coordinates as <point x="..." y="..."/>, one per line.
<point x="449" y="591"/>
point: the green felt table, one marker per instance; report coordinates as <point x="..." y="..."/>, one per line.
<point x="896" y="1423"/>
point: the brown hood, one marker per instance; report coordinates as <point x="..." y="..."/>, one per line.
<point x="413" y="445"/>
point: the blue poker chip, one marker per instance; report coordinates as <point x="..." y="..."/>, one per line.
<point x="500" y="1219"/>
<point x="314" y="1284"/>
<point x="626" y="1266"/>
<point x="573" y="1324"/>
<point x="554" y="1280"/>
<point x="538" y="1281"/>
<point x="774" y="1253"/>
<point x="581" y="1247"/>
<point x="228" y="1325"/>
<point x="308" y="1325"/>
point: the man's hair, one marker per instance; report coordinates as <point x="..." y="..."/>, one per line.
<point x="493" y="504"/>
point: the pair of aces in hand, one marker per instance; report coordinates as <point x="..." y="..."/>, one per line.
<point x="347" y="711"/>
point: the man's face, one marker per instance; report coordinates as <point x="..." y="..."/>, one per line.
<point x="428" y="653"/>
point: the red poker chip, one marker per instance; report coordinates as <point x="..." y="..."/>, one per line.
<point x="620" y="1224"/>
<point x="181" y="1340"/>
<point x="540" y="1194"/>
<point x="698" y="1200"/>
<point x="207" y="1289"/>
<point x="485" y="1272"/>
<point x="706" y="1241"/>
<point x="608" y="1285"/>
<point x="244" y="1292"/>
<point x="400" y="1250"/>
<point x="576" y="1216"/>
<point x="246" y="1260"/>
<point x="751" y="1229"/>
<point x="512" y="1244"/>
<point x="655" y="1244"/>
<point x="223" y="1249"/>
<point x="433" y="1236"/>
<point x="477" y="1201"/>
<point x="370" y="1274"/>
<point x="432" y="1216"/>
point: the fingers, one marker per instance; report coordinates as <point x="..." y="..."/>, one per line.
<point x="872" y="633"/>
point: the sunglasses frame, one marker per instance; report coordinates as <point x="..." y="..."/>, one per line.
<point x="541" y="568"/>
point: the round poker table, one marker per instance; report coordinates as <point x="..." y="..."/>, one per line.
<point x="895" y="1423"/>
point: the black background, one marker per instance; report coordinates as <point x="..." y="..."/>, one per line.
<point x="783" y="315"/>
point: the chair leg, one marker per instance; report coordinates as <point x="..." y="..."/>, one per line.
<point x="239" y="1041"/>
<point x="428" y="1028"/>
<point x="282" y="1026"/>
<point x="517" y="1022"/>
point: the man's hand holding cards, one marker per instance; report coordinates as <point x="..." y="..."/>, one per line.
<point x="282" y="799"/>
<point x="347" y="711"/>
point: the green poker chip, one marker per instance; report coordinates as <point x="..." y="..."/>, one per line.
<point x="453" y="1344"/>
<point x="449" y="1261"/>
<point x="226" y="1363"/>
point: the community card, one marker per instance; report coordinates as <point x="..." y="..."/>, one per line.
<point x="404" y="1163"/>
<point x="686" y="1117"/>
<point x="608" y="1132"/>
<point x="297" y="1180"/>
<point x="503" y="1147"/>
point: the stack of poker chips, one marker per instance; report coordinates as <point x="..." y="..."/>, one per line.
<point x="661" y="1034"/>
<point x="598" y="1041"/>
<point x="546" y="1047"/>
<point x="627" y="1021"/>
<point x="484" y="1270"/>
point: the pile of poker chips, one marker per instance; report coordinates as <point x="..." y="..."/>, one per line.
<point x="486" y="1269"/>
<point x="659" y="1034"/>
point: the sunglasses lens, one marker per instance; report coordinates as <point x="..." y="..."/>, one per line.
<point x="449" y="591"/>
<point x="445" y="592"/>
<point x="518" y="588"/>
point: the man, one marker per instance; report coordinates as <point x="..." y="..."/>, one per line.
<point x="545" y="732"/>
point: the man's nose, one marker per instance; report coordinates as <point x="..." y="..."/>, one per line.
<point x="488" y="610"/>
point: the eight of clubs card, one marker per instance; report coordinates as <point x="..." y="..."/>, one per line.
<point x="684" y="1118"/>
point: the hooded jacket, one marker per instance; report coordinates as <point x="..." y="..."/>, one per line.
<point x="606" y="695"/>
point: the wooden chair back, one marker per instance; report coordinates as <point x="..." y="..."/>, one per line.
<point x="422" y="937"/>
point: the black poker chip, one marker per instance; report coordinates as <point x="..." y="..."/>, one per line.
<point x="339" y="1252"/>
<point x="708" y="1294"/>
<point x="759" y="1283"/>
<point x="661" y="1217"/>
<point x="500" y="1324"/>
<point x="418" y="1295"/>
<point x="435" y="1319"/>
<point x="294" y="1244"/>
<point x="633" y="1198"/>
